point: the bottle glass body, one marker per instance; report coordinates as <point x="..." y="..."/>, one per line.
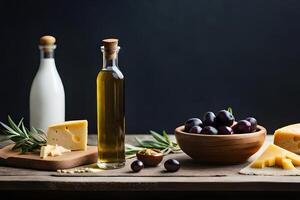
<point x="47" y="96"/>
<point x="110" y="114"/>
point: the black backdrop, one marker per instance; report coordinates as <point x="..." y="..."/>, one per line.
<point x="180" y="57"/>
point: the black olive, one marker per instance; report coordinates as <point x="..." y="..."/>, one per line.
<point x="224" y="118"/>
<point x="195" y="129"/>
<point x="209" y="130"/>
<point x="209" y="119"/>
<point x="137" y="165"/>
<point x="253" y="122"/>
<point x="225" y="130"/>
<point x="192" y="122"/>
<point x="172" y="165"/>
<point x="242" y="126"/>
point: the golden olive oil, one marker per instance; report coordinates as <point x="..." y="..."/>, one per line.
<point x="110" y="111"/>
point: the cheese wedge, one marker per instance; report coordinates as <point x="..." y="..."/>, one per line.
<point x="71" y="135"/>
<point x="288" y="138"/>
<point x="276" y="156"/>
<point x="51" y="150"/>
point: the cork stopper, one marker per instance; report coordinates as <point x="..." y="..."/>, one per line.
<point x="47" y="40"/>
<point x="110" y="48"/>
<point x="47" y="45"/>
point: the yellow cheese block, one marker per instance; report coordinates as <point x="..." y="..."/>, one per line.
<point x="71" y="134"/>
<point x="288" y="137"/>
<point x="276" y="156"/>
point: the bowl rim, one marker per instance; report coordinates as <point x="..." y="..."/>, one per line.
<point x="157" y="155"/>
<point x="262" y="130"/>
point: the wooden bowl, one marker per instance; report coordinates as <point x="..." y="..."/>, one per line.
<point x="150" y="160"/>
<point x="220" y="149"/>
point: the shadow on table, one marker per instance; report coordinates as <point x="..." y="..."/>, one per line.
<point x="184" y="195"/>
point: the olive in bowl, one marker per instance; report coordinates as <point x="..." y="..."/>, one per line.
<point x="150" y="157"/>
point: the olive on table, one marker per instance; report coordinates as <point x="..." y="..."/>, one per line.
<point x="137" y="165"/>
<point x="225" y="130"/>
<point x="209" y="119"/>
<point x="224" y="118"/>
<point x="209" y="130"/>
<point x="192" y="122"/>
<point x="253" y="122"/>
<point x="195" y="129"/>
<point x="172" y="165"/>
<point x="242" y="126"/>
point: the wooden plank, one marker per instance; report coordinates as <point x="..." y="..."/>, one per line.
<point x="39" y="180"/>
<point x="234" y="183"/>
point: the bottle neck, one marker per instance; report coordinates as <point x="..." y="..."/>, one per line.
<point x="47" y="51"/>
<point x="109" y="62"/>
<point x="110" y="58"/>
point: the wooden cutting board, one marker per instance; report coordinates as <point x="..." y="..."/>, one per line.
<point x="32" y="160"/>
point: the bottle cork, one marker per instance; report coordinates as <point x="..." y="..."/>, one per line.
<point x="47" y="44"/>
<point x="110" y="48"/>
<point x="47" y="40"/>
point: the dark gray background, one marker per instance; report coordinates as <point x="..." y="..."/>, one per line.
<point x="180" y="58"/>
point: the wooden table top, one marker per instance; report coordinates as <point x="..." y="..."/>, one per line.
<point x="24" y="179"/>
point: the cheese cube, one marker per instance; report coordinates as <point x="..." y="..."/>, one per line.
<point x="45" y="150"/>
<point x="287" y="164"/>
<point x="71" y="134"/>
<point x="284" y="163"/>
<point x="278" y="161"/>
<point x="52" y="151"/>
<point x="275" y="155"/>
<point x="288" y="138"/>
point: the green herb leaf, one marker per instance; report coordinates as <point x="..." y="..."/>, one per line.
<point x="167" y="138"/>
<point x="14" y="126"/>
<point x="23" y="128"/>
<point x="8" y="129"/>
<point x="20" y="122"/>
<point x="158" y="137"/>
<point x="229" y="109"/>
<point x="153" y="144"/>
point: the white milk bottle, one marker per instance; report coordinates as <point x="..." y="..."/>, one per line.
<point x="47" y="95"/>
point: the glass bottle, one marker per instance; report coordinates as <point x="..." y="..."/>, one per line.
<point x="47" y="95"/>
<point x="110" y="109"/>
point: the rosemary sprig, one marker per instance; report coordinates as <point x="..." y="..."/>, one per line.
<point x="26" y="140"/>
<point x="162" y="142"/>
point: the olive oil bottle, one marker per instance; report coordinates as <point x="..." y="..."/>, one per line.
<point x="110" y="109"/>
